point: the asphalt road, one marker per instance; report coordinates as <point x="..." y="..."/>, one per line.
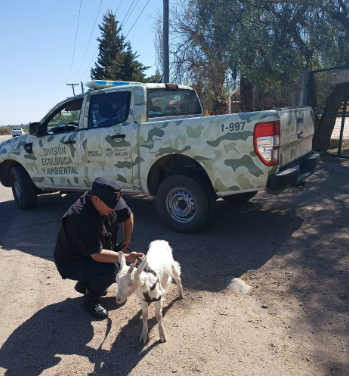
<point x="4" y="138"/>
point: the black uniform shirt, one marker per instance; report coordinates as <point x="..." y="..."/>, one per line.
<point x="83" y="235"/>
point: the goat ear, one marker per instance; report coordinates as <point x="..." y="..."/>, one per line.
<point x="141" y="267"/>
<point x="122" y="260"/>
<point x="132" y="267"/>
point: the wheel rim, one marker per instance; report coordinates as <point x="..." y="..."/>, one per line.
<point x="17" y="189"/>
<point x="181" y="204"/>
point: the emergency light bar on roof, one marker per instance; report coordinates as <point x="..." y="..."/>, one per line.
<point x="99" y="84"/>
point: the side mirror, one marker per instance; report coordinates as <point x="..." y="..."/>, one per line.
<point x="34" y="129"/>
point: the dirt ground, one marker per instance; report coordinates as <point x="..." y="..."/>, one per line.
<point x="292" y="249"/>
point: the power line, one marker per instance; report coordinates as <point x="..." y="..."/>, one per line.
<point x="137" y="19"/>
<point x="76" y="34"/>
<point x="122" y="22"/>
<point x="89" y="66"/>
<point x="118" y="7"/>
<point x="131" y="12"/>
<point x="120" y="26"/>
<point x="88" y="44"/>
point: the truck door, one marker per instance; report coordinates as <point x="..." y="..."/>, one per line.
<point x="106" y="143"/>
<point x="57" y="152"/>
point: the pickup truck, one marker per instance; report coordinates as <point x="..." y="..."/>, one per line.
<point x="153" y="139"/>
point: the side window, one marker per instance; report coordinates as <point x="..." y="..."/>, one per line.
<point x="66" y="118"/>
<point x="162" y="102"/>
<point x="109" y="109"/>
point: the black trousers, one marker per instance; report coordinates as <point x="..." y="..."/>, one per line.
<point x="97" y="276"/>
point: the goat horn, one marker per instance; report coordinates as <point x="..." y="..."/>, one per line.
<point x="122" y="260"/>
<point x="132" y="267"/>
<point x="141" y="267"/>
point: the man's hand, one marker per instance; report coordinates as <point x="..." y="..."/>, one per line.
<point x="133" y="256"/>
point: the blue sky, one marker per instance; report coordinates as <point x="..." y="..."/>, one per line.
<point x="37" y="40"/>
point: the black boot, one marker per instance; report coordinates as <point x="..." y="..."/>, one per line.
<point x="81" y="287"/>
<point x="92" y="306"/>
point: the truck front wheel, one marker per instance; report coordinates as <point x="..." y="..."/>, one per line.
<point x="23" y="189"/>
<point x="185" y="203"/>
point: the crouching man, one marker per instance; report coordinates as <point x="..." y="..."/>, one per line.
<point x="86" y="243"/>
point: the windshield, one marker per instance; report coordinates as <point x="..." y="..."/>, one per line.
<point x="162" y="102"/>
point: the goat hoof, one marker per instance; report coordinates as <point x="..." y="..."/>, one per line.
<point x="143" y="339"/>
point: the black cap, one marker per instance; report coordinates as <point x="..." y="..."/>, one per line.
<point x="109" y="191"/>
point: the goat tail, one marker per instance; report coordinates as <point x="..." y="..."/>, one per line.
<point x="176" y="268"/>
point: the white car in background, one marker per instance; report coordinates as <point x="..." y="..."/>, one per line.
<point x="17" y="132"/>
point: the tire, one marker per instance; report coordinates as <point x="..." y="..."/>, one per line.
<point x="23" y="189"/>
<point x="240" y="197"/>
<point x="185" y="203"/>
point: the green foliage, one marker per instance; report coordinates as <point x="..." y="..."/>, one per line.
<point x="5" y="130"/>
<point x="8" y="129"/>
<point x="270" y="42"/>
<point x="116" y="61"/>
<point x="155" y="78"/>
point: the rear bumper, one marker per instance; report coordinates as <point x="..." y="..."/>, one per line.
<point x="293" y="176"/>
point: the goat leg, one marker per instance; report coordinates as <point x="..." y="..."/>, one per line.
<point x="176" y="275"/>
<point x="144" y="335"/>
<point x="158" y="315"/>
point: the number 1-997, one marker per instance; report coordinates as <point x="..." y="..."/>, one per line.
<point x="234" y="127"/>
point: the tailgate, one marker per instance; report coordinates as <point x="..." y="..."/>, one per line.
<point x="296" y="133"/>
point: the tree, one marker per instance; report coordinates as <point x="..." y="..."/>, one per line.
<point x="326" y="28"/>
<point x="111" y="45"/>
<point x="261" y="44"/>
<point x="268" y="43"/>
<point x="116" y="61"/>
<point x="199" y="50"/>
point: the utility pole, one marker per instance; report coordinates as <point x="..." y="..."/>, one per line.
<point x="72" y="85"/>
<point x="82" y="88"/>
<point x="166" y="66"/>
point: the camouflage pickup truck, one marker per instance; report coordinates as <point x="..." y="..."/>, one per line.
<point x="153" y="139"/>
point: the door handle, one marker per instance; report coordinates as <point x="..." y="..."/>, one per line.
<point x="69" y="142"/>
<point x="299" y="134"/>
<point x="118" y="136"/>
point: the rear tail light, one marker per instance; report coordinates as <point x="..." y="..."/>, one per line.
<point x="266" y="141"/>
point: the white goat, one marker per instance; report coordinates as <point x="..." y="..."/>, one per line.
<point x="149" y="281"/>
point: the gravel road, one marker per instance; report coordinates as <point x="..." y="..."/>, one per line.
<point x="292" y="249"/>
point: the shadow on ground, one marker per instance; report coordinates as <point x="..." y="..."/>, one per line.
<point x="307" y="231"/>
<point x="238" y="238"/>
<point x="68" y="331"/>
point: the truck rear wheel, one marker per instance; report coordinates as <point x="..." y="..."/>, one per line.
<point x="23" y="189"/>
<point x="185" y="203"/>
<point x="240" y="197"/>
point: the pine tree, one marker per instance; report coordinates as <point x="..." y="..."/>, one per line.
<point x="111" y="45"/>
<point x="116" y="61"/>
